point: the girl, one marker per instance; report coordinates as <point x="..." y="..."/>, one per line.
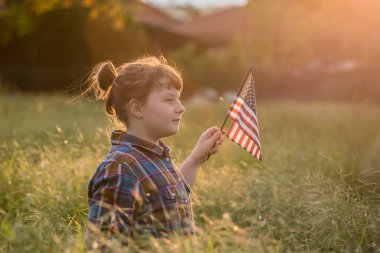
<point x="137" y="189"/>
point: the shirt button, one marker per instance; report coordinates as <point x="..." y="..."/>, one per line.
<point x="173" y="194"/>
<point x="167" y="159"/>
<point x="179" y="179"/>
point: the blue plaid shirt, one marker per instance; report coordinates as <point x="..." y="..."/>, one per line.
<point x="138" y="190"/>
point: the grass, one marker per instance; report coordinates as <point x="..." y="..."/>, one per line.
<point x="315" y="191"/>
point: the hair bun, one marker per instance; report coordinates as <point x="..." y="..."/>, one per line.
<point x="106" y="75"/>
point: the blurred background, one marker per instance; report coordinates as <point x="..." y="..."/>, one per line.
<point x="315" y="66"/>
<point x="325" y="50"/>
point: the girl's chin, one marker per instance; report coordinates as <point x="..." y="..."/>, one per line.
<point x="175" y="130"/>
<point x="171" y="131"/>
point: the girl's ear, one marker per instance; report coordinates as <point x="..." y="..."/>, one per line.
<point x="135" y="108"/>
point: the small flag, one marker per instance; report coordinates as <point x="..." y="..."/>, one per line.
<point x="245" y="128"/>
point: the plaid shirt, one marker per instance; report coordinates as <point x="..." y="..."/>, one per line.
<point x="137" y="190"/>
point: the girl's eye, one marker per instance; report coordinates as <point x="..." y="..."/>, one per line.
<point x="170" y="99"/>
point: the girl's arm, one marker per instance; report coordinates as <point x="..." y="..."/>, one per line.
<point x="113" y="201"/>
<point x="204" y="147"/>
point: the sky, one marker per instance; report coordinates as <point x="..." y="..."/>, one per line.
<point x="198" y="3"/>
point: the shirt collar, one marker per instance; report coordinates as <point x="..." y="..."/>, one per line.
<point x="119" y="137"/>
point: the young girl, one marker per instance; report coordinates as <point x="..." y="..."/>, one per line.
<point x="137" y="189"/>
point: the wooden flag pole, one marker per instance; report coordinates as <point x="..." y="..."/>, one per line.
<point x="238" y="93"/>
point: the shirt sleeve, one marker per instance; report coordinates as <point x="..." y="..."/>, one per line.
<point x="114" y="200"/>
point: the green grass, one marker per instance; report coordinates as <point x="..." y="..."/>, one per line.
<point x="315" y="191"/>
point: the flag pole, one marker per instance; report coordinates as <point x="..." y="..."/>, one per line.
<point x="238" y="93"/>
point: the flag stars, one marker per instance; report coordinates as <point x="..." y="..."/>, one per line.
<point x="249" y="94"/>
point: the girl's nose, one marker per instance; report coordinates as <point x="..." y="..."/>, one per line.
<point x="181" y="108"/>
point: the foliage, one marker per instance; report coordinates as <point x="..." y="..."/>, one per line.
<point x="18" y="18"/>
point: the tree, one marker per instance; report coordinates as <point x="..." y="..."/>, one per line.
<point x="18" y="17"/>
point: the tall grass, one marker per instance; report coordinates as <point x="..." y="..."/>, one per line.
<point x="315" y="191"/>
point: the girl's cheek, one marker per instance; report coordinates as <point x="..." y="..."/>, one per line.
<point x="164" y="110"/>
<point x="159" y="108"/>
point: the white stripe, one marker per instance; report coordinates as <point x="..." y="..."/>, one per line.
<point x="244" y="140"/>
<point x="254" y="150"/>
<point x="234" y="130"/>
<point x="233" y="114"/>
<point x="250" y="145"/>
<point x="239" y="135"/>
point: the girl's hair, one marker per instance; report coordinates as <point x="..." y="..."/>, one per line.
<point x="134" y="79"/>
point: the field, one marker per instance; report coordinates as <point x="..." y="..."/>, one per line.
<point x="316" y="189"/>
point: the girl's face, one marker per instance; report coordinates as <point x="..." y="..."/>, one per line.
<point x="163" y="111"/>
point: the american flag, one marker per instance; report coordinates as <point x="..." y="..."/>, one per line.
<point x="245" y="128"/>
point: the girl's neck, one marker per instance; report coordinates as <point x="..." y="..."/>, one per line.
<point x="143" y="135"/>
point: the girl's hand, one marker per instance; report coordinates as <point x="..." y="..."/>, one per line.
<point x="208" y="143"/>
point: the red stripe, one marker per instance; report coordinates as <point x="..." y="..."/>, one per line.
<point x="230" y="131"/>
<point x="241" y="136"/>
<point x="250" y="140"/>
<point x="257" y="149"/>
<point x="239" y="132"/>
<point x="253" y="146"/>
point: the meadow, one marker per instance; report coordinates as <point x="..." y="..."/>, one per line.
<point x="316" y="190"/>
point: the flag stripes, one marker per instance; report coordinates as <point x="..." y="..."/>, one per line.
<point x="236" y="134"/>
<point x="243" y="115"/>
<point x="245" y="129"/>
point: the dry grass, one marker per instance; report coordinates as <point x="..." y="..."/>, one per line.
<point x="315" y="191"/>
